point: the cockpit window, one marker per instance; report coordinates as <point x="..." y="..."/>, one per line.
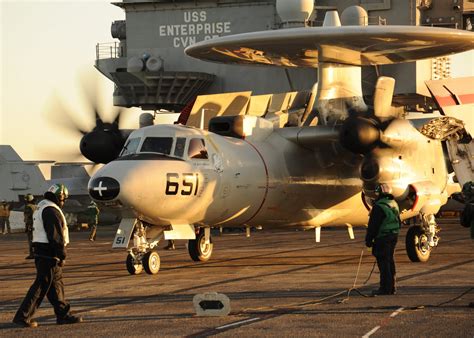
<point x="179" y="148"/>
<point x="197" y="149"/>
<point x="130" y="147"/>
<point x="161" y="145"/>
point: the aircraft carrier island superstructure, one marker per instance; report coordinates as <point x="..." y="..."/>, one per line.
<point x="151" y="71"/>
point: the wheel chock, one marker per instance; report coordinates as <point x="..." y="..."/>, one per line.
<point x="211" y="304"/>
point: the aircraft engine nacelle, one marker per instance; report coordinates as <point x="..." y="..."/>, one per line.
<point x="403" y="155"/>
<point x="401" y="134"/>
<point x="387" y="166"/>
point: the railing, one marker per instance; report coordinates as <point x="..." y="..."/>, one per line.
<point x="377" y="20"/>
<point x="108" y="50"/>
<point x="441" y="24"/>
<point x="371" y="21"/>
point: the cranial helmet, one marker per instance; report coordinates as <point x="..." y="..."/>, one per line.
<point x="383" y="189"/>
<point x="60" y="191"/>
<point x="29" y="198"/>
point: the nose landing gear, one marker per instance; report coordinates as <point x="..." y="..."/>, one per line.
<point x="142" y="256"/>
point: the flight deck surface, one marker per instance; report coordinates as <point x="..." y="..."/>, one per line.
<point x="279" y="284"/>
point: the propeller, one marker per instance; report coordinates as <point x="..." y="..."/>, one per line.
<point x="361" y="134"/>
<point x="102" y="140"/>
<point x="373" y="134"/>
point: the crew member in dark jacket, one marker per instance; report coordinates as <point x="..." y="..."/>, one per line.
<point x="50" y="237"/>
<point x="30" y="208"/>
<point x="468" y="196"/>
<point x="93" y="220"/>
<point x="382" y="235"/>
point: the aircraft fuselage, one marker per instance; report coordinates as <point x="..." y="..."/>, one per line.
<point x="233" y="182"/>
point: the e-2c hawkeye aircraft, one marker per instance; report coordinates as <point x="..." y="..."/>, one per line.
<point x="178" y="182"/>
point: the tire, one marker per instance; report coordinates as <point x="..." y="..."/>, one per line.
<point x="416" y="251"/>
<point x="151" y="262"/>
<point x="132" y="267"/>
<point x="199" y="251"/>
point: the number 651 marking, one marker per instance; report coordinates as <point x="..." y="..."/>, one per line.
<point x="190" y="184"/>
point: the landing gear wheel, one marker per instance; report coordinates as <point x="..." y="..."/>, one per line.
<point x="151" y="262"/>
<point x="198" y="249"/>
<point x="133" y="267"/>
<point x="416" y="245"/>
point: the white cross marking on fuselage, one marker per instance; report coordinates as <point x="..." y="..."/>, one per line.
<point x="100" y="188"/>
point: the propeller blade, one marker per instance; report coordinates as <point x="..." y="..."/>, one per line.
<point x="60" y="115"/>
<point x="383" y="95"/>
<point x="70" y="154"/>
<point x="118" y="115"/>
<point x="92" y="93"/>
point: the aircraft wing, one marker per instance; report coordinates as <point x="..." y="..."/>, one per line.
<point x="351" y="45"/>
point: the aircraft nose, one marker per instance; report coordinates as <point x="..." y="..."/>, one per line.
<point x="103" y="188"/>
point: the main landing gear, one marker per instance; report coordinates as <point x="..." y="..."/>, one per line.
<point x="422" y="238"/>
<point x="200" y="249"/>
<point x="143" y="254"/>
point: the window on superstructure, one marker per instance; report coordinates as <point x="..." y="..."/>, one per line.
<point x="160" y="145"/>
<point x="197" y="149"/>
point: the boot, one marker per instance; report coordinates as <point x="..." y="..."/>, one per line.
<point x="380" y="292"/>
<point x="25" y="323"/>
<point x="69" y="320"/>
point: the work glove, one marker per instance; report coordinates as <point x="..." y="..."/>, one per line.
<point x="369" y="244"/>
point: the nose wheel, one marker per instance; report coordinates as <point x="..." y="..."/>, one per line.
<point x="134" y="265"/>
<point x="150" y="262"/>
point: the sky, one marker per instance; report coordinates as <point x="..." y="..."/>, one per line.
<point x="45" y="49"/>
